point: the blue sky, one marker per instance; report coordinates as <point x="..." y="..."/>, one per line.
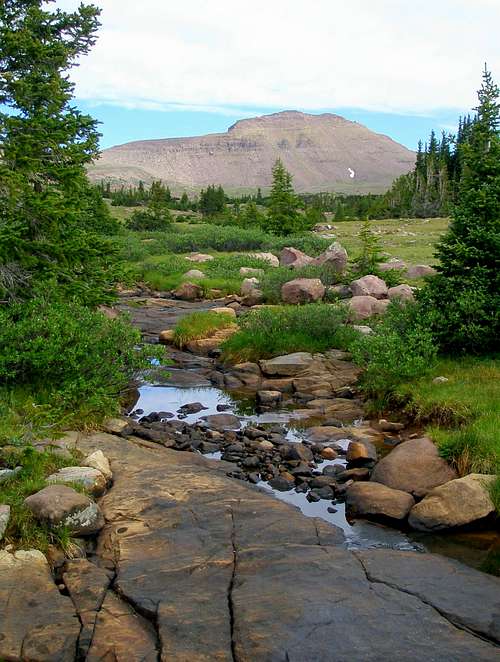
<point x="167" y="68"/>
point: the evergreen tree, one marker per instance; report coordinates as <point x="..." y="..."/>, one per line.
<point x="371" y="251"/>
<point x="283" y="217"/>
<point x="465" y="296"/>
<point x="47" y="212"/>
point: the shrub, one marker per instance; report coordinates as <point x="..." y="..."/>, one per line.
<point x="278" y="330"/>
<point x="402" y="347"/>
<point x="272" y="281"/>
<point x="156" y="217"/>
<point x="200" y="325"/>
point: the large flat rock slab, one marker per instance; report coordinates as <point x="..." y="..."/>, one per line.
<point x="225" y="572"/>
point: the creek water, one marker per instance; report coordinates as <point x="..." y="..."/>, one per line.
<point x="479" y="549"/>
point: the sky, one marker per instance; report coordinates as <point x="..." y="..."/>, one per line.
<point x="168" y="68"/>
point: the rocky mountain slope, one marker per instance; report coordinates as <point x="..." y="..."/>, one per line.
<point x="323" y="152"/>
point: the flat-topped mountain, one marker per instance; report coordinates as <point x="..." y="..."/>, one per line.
<point x="323" y="152"/>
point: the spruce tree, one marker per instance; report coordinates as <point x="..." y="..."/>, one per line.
<point x="283" y="217"/>
<point x="465" y="296"/>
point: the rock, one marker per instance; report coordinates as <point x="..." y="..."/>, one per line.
<point x="91" y="479"/>
<point x="335" y="256"/>
<point x="194" y="273"/>
<point x="248" y="374"/>
<point x="199" y="257"/>
<point x="224" y="310"/>
<point x="37" y="623"/>
<point x="292" y="257"/>
<point x="377" y="500"/>
<point x="401" y="292"/>
<point x="266" y="445"/>
<point x="4" y="519"/>
<point x="360" y="453"/>
<point x="350" y="475"/>
<point x="364" y="330"/>
<point x="253" y="298"/>
<point x="324" y="433"/>
<point x="296" y="452"/>
<point x="393" y="264"/>
<point x="108" y="312"/>
<point x="414" y="466"/>
<point x="288" y="365"/>
<point x="340" y="291"/>
<point x="282" y="483"/>
<point x="167" y="337"/>
<point x="8" y="474"/>
<point x="440" y="380"/>
<point x="248" y="286"/>
<point x="266" y="257"/>
<point x="363" y="307"/>
<point x="59" y="504"/>
<point x="115" y="425"/>
<point x="97" y="460"/>
<point x="328" y="453"/>
<point x="223" y="422"/>
<point x="269" y="398"/>
<point x="390" y="426"/>
<point x="420" y="271"/>
<point x="456" y="503"/>
<point x="302" y="290"/>
<point x="188" y="292"/>
<point x="284" y="384"/>
<point x="191" y="408"/>
<point x="370" y="285"/>
<point x="205" y="346"/>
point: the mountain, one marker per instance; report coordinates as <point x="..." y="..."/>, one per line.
<point x="323" y="152"/>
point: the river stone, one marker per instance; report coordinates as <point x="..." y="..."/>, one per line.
<point x="60" y="504"/>
<point x="223" y="422"/>
<point x="91" y="479"/>
<point x="414" y="466"/>
<point x="370" y="285"/>
<point x="324" y="433"/>
<point x="4" y="519"/>
<point x="302" y="290"/>
<point x="361" y="452"/>
<point x="269" y="398"/>
<point x="189" y="292"/>
<point x="293" y="257"/>
<point x="97" y="460"/>
<point x="36" y="621"/>
<point x="456" y="503"/>
<point x="375" y="499"/>
<point x="296" y="452"/>
<point x="288" y="365"/>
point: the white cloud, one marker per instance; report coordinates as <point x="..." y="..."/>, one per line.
<point x="389" y="55"/>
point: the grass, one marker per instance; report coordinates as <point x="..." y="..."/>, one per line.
<point x="272" y="281"/>
<point x="462" y="414"/>
<point x="200" y="325"/>
<point x="268" y="332"/>
<point x="24" y="530"/>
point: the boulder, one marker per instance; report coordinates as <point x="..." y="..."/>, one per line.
<point x="91" y="479"/>
<point x="393" y="264"/>
<point x="360" y="453"/>
<point x="303" y="290"/>
<point x="414" y="466"/>
<point x="97" y="460"/>
<point x="266" y="257"/>
<point x="248" y="373"/>
<point x="250" y="271"/>
<point x="194" y="273"/>
<point x="456" y="503"/>
<point x="420" y="271"/>
<point x="199" y="257"/>
<point x="60" y="504"/>
<point x="319" y="434"/>
<point x="328" y="453"/>
<point x="292" y="257"/>
<point x="224" y="310"/>
<point x="335" y="256"/>
<point x="223" y="422"/>
<point x="363" y="307"/>
<point x="115" y="425"/>
<point x="288" y="365"/>
<point x="4" y="519"/>
<point x="248" y="286"/>
<point x="269" y="398"/>
<point x="401" y="292"/>
<point x="253" y="298"/>
<point x="377" y="500"/>
<point x="390" y="426"/>
<point x="188" y="292"/>
<point x="167" y="337"/>
<point x="370" y="285"/>
<point x="296" y="452"/>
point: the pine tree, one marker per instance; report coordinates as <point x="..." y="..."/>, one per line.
<point x="466" y="293"/>
<point x="283" y="216"/>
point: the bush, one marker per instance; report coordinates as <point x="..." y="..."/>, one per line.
<point x="402" y="347"/>
<point x="70" y="357"/>
<point x="278" y="330"/>
<point x="274" y="279"/>
<point x="155" y="217"/>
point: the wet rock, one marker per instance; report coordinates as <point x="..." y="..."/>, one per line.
<point x="390" y="426"/>
<point x="360" y="453"/>
<point x="325" y="433"/>
<point x="296" y="452"/>
<point x="251" y="462"/>
<point x="377" y="500"/>
<point x="59" y="504"/>
<point x="370" y="285"/>
<point x="334" y="470"/>
<point x="223" y="422"/>
<point x="414" y="466"/>
<point x="282" y="483"/>
<point x="302" y="469"/>
<point x="292" y="257"/>
<point x="189" y="292"/>
<point x="302" y="290"/>
<point x="36" y="621"/>
<point x="91" y="479"/>
<point x="191" y="408"/>
<point x="321" y="481"/>
<point x="199" y="257"/>
<point x="4" y="519"/>
<point x="456" y="503"/>
<point x="420" y="271"/>
<point x="269" y="398"/>
<point x="358" y="473"/>
<point x="97" y="460"/>
<point x="401" y="292"/>
<point x="328" y="453"/>
<point x="288" y="365"/>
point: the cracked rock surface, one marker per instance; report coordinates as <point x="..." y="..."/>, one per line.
<point x="192" y="566"/>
